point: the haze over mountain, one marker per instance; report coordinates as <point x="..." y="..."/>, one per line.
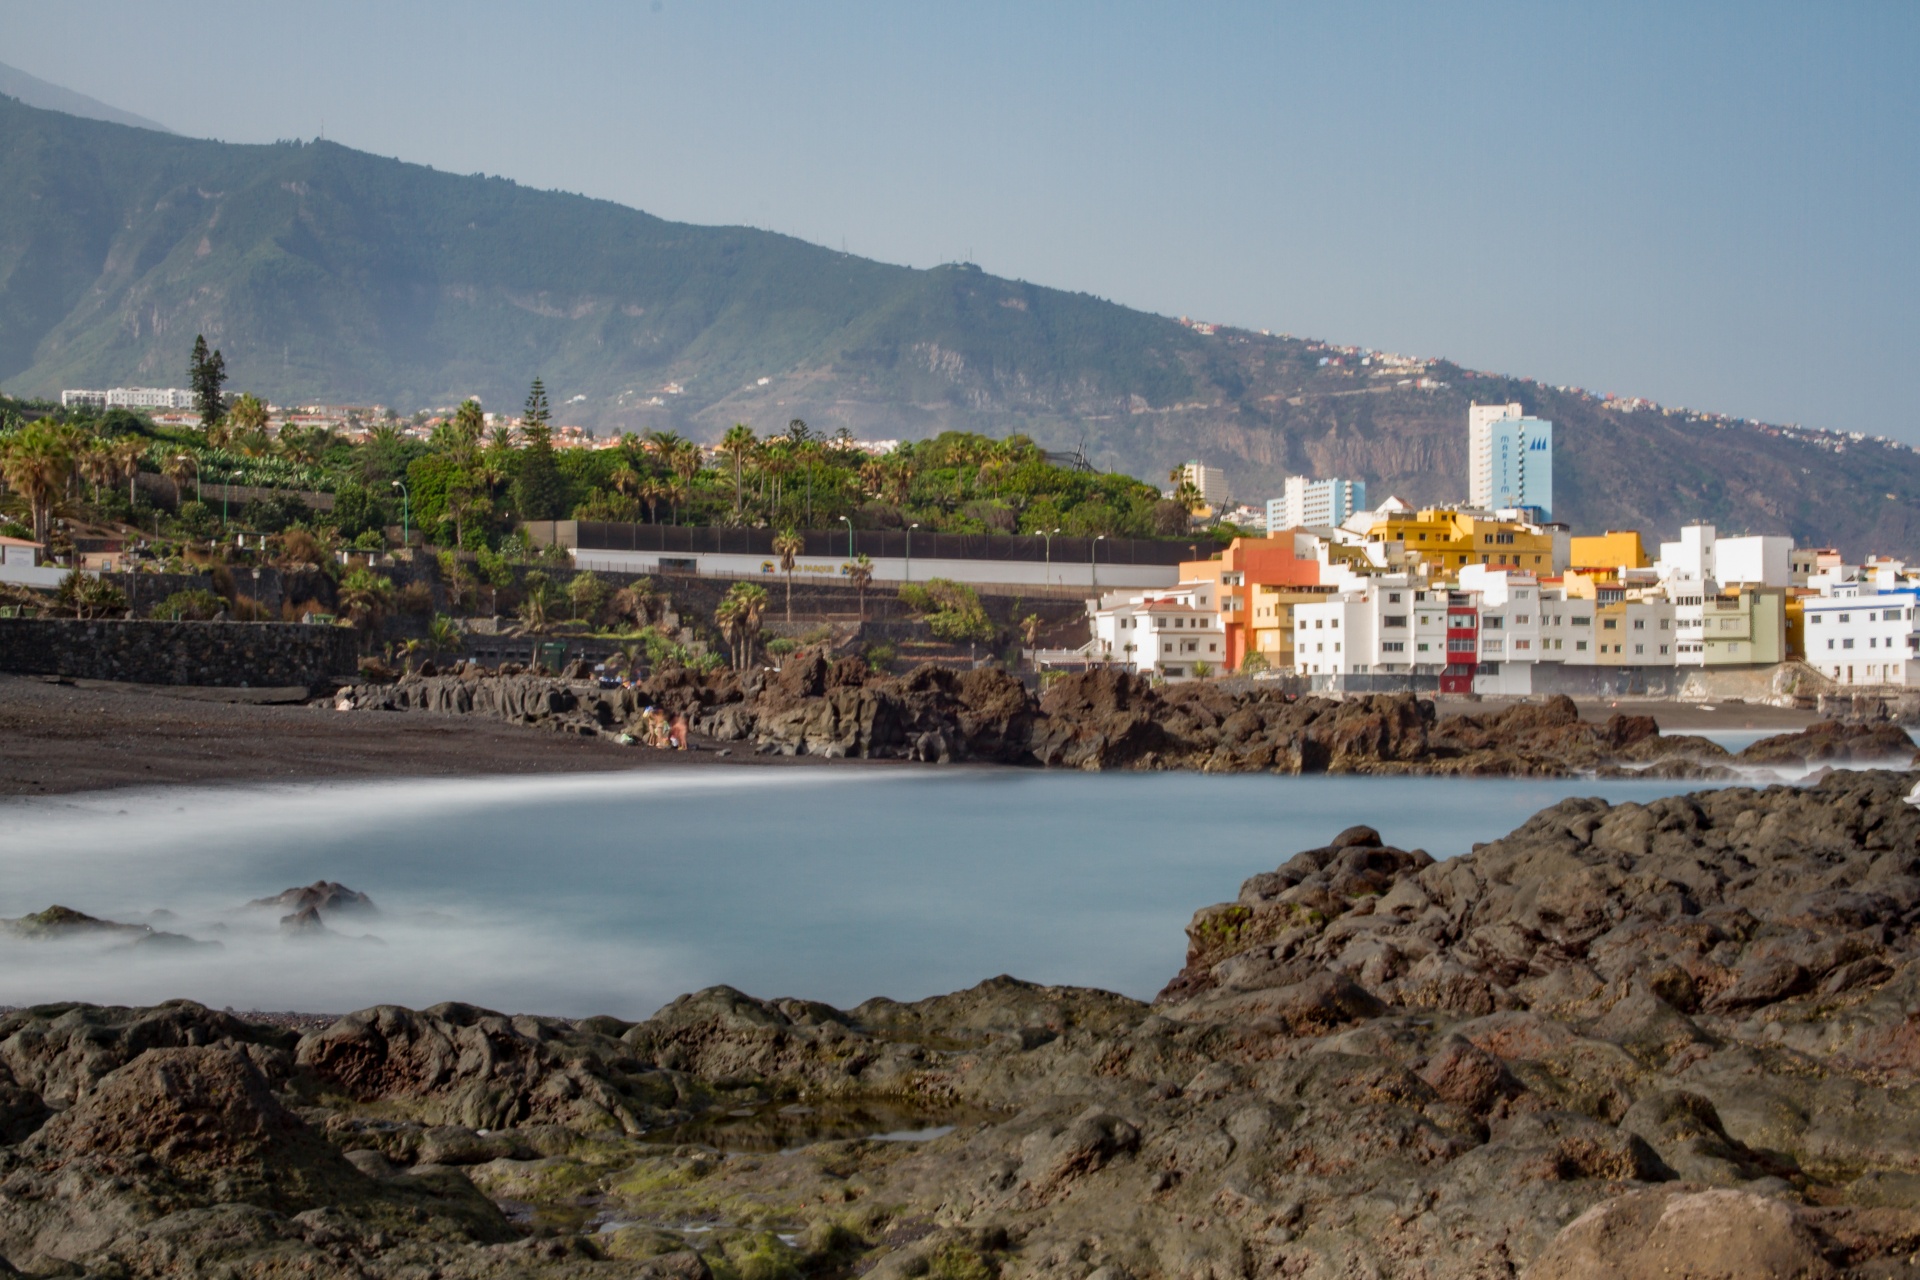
<point x="35" y="92"/>
<point x="330" y="274"/>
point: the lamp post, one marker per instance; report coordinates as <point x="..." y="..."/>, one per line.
<point x="910" y="529"/>
<point x="1093" y="559"/>
<point x="1048" y="535"/>
<point x="406" y="515"/>
<point x="848" y="521"/>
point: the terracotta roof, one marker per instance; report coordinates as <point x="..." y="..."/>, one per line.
<point x="18" y="542"/>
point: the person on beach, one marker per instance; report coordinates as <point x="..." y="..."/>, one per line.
<point x="679" y="732"/>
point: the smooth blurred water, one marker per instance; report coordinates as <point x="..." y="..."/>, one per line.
<point x="612" y="893"/>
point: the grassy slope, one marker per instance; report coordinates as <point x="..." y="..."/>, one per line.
<point x="326" y="273"/>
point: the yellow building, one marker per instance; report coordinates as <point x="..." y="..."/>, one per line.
<point x="1445" y="541"/>
<point x="1270" y="621"/>
<point x="1614" y="549"/>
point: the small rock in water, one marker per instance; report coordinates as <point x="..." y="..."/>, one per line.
<point x="326" y="896"/>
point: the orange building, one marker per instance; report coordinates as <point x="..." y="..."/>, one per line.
<point x="1245" y="564"/>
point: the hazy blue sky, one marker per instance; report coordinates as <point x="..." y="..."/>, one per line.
<point x="1712" y="205"/>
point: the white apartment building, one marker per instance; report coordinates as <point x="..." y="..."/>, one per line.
<point x="1385" y="625"/>
<point x="130" y="398"/>
<point x="1162" y="633"/>
<point x="1509" y="458"/>
<point x="1316" y="503"/>
<point x="1860" y="637"/>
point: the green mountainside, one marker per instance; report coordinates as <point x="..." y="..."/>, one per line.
<point x="327" y="274"/>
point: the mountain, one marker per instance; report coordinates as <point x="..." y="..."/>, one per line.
<point x="332" y="275"/>
<point x="35" y="92"/>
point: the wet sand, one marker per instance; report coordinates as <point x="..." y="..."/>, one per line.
<point x="57" y="738"/>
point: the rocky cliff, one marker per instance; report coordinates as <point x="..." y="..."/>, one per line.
<point x="1660" y="1040"/>
<point x="1108" y="720"/>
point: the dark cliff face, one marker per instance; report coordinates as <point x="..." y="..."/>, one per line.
<point x="328" y="274"/>
<point x="1632" y="1040"/>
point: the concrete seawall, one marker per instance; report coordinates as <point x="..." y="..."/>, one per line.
<point x="232" y="654"/>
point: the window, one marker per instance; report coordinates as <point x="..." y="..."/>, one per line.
<point x="1460" y="646"/>
<point x="1666" y="624"/>
<point x="1333" y="623"/>
<point x="1579" y="646"/>
<point x="1523" y="644"/>
<point x="1393" y="597"/>
<point x="1847" y="643"/>
<point x="1423" y="648"/>
<point x="1610" y="624"/>
<point x="1394" y="620"/>
<point x="1491" y="646"/>
<point x="1829" y="644"/>
<point x="1494" y="624"/>
<point x="1639" y="624"/>
<point x="1891" y="615"/>
<point x="1336" y="646"/>
<point x="1395" y="646"/>
<point x="1521" y="619"/>
<point x="1319" y="623"/>
<point x="1846" y="617"/>
<point x="1814" y="618"/>
<point x="1579" y="621"/>
<point x="1663" y="648"/>
<point x="1639" y="648"/>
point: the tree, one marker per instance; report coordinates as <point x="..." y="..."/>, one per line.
<point x="181" y="466"/>
<point x="365" y="596"/>
<point x="539" y="490"/>
<point x="247" y="420"/>
<point x="36" y="462"/>
<point x="788" y="546"/>
<point x="860" y="574"/>
<point x="465" y="500"/>
<point x="89" y="596"/>
<point x="739" y="617"/>
<point x="126" y="462"/>
<point x="207" y="374"/>
<point x="738" y="444"/>
<point x="586" y="591"/>
<point x="536" y="599"/>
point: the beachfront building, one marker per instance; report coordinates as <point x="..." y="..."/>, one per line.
<point x="1233" y="575"/>
<point x="1856" y="636"/>
<point x="1388" y="625"/>
<point x="1175" y="634"/>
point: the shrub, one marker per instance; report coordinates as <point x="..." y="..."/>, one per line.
<point x="781" y="646"/>
<point x="1255" y="663"/>
<point x="247" y="609"/>
<point x="196" y="517"/>
<point x="951" y="609"/>
<point x="371" y="540"/>
<point x="880" y="656"/>
<point x="414" y="599"/>
<point x="91" y="597"/>
<point x="271" y="515"/>
<point x="198" y="605"/>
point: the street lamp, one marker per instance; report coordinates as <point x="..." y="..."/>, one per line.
<point x="406" y="515"/>
<point x="910" y="529"/>
<point x="848" y="521"/>
<point x="1093" y="559"/>
<point x="1048" y="535"/>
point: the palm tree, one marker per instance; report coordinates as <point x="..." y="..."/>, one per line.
<point x="651" y="492"/>
<point x="126" y="462"/>
<point x="247" y="421"/>
<point x="788" y="547"/>
<point x="365" y="597"/>
<point x="739" y="619"/>
<point x="860" y="574"/>
<point x="738" y="444"/>
<point x="36" y="463"/>
<point x="686" y="461"/>
<point x="181" y="466"/>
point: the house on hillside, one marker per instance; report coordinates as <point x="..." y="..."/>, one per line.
<point x="20" y="565"/>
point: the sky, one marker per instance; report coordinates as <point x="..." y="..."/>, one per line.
<point x="1711" y="205"/>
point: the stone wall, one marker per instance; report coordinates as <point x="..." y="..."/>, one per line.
<point x="232" y="654"/>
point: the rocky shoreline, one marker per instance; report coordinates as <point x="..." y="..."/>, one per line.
<point x="1630" y="1040"/>
<point x="1107" y="720"/>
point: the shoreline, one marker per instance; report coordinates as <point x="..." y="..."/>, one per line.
<point x="64" y="737"/>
